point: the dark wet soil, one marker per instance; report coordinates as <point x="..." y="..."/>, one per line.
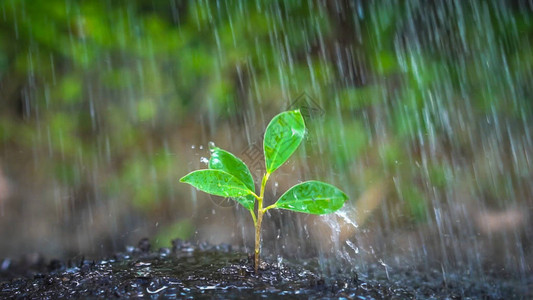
<point x="206" y="271"/>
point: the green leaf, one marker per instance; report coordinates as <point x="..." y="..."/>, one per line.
<point x="312" y="197"/>
<point x="229" y="163"/>
<point x="283" y="135"/>
<point x="220" y="183"/>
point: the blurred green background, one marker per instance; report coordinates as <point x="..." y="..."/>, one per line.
<point x="425" y="121"/>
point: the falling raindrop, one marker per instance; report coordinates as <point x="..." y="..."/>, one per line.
<point x="425" y="124"/>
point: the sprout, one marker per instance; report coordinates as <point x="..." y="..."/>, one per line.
<point x="228" y="176"/>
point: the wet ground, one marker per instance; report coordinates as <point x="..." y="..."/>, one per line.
<point x="206" y="271"/>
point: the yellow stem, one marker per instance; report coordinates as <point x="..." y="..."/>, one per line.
<point x="258" y="239"/>
<point x="253" y="217"/>
<point x="263" y="184"/>
<point x="255" y="195"/>
<point x="270" y="207"/>
<point x="260" y="212"/>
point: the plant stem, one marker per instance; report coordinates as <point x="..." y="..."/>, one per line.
<point x="269" y="207"/>
<point x="253" y="217"/>
<point x="258" y="239"/>
<point x="260" y="212"/>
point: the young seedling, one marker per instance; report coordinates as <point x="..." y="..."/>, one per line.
<point x="228" y="176"/>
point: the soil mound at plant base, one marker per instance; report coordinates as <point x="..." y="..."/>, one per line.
<point x="203" y="270"/>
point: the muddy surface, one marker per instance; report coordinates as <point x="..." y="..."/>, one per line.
<point x="206" y="271"/>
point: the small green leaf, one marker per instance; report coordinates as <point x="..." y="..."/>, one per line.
<point x="229" y="163"/>
<point x="283" y="135"/>
<point x="220" y="183"/>
<point x="312" y="197"/>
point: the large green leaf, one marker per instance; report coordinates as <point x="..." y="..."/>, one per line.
<point x="312" y="197"/>
<point x="229" y="163"/>
<point x="282" y="136"/>
<point x="220" y="183"/>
